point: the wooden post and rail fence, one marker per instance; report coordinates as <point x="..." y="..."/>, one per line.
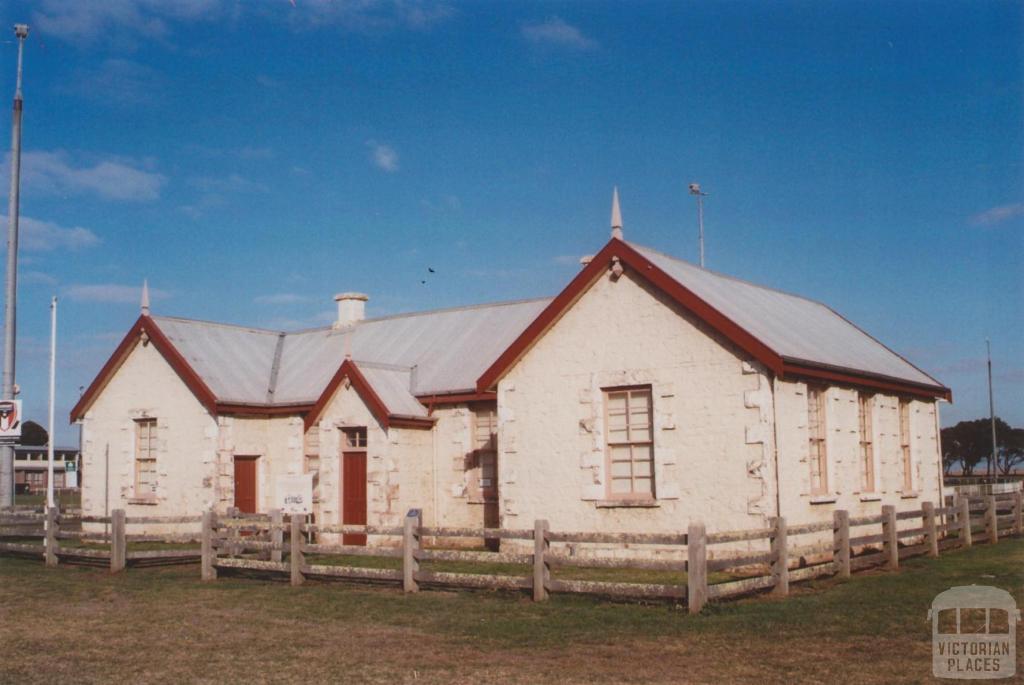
<point x="695" y="566"/>
<point x="776" y="556"/>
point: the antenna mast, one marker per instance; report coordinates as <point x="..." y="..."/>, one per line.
<point x="695" y="190"/>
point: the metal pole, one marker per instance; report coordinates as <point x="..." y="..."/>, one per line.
<point x="700" y="221"/>
<point x="53" y="387"/>
<point x="991" y="411"/>
<point x="11" y="291"/>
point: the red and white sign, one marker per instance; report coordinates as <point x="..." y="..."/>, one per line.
<point x="10" y="421"/>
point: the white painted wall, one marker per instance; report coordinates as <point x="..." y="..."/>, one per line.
<point x="147" y="386"/>
<point x="712" y="418"/>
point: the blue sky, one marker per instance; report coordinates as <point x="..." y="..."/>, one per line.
<point x="253" y="158"/>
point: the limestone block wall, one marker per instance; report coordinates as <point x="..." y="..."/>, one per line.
<point x="713" y="414"/>
<point x="846" y="489"/>
<point x="453" y="446"/>
<point x="276" y="441"/>
<point x="147" y="387"/>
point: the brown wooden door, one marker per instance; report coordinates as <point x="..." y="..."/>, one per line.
<point x="245" y="484"/>
<point x="353" y="498"/>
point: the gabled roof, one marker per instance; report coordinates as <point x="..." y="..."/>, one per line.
<point x="239" y="369"/>
<point x="789" y="334"/>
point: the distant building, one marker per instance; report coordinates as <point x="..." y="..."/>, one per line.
<point x="648" y="393"/>
<point x="30" y="467"/>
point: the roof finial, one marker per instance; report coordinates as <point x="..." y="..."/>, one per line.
<point x="616" y="215"/>
<point x="145" y="297"/>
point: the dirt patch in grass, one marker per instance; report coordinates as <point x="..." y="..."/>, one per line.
<point x="163" y="625"/>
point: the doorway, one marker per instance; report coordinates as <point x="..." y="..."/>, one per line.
<point x="245" y="484"/>
<point x="353" y="483"/>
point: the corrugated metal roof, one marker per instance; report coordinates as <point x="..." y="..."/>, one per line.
<point x="436" y="352"/>
<point x="796" y="328"/>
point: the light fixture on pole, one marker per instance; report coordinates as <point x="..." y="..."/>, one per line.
<point x="695" y="190"/>
<point x="7" y="392"/>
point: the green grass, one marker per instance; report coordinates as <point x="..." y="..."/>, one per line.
<point x="163" y="625"/>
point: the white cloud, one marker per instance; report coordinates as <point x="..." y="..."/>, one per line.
<point x="384" y="157"/>
<point x="232" y="183"/>
<point x="120" y="81"/>
<point x="111" y="293"/>
<point x="998" y="215"/>
<point x="54" y="173"/>
<point x="556" y="32"/>
<point x="281" y="298"/>
<point x="127" y="22"/>
<point x="38" y="235"/>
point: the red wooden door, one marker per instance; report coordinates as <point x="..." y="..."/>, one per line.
<point x="353" y="499"/>
<point x="245" y="484"/>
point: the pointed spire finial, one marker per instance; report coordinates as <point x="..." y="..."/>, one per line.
<point x="145" y="298"/>
<point x="616" y="215"/>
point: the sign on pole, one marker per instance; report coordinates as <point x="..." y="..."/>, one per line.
<point x="294" y="494"/>
<point x="70" y="474"/>
<point x="10" y="422"/>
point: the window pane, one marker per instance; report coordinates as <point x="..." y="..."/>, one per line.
<point x="643" y="486"/>
<point x="642" y="468"/>
<point x="621" y="469"/>
<point x="621" y="486"/>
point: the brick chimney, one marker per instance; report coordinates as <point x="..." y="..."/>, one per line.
<point x="351" y="308"/>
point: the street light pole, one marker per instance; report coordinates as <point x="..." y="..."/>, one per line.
<point x="695" y="190"/>
<point x="992" y="463"/>
<point x="11" y="291"/>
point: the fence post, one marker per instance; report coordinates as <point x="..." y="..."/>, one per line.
<point x="841" y="542"/>
<point x="1018" y="513"/>
<point x="51" y="536"/>
<point x="118" y="542"/>
<point x="931" y="536"/>
<point x="276" y="534"/>
<point x="991" y="522"/>
<point x="965" y="521"/>
<point x="890" y="540"/>
<point x="411" y="549"/>
<point x="232" y="534"/>
<point x="696" y="567"/>
<point x="541" y="569"/>
<point x="208" y="569"/>
<point x="296" y="557"/>
<point x="780" y="558"/>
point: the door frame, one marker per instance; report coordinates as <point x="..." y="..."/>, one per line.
<point x="255" y="458"/>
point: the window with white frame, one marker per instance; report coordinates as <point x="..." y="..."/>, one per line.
<point x="865" y="403"/>
<point x="483" y="479"/>
<point x="145" y="457"/>
<point x="818" y="455"/>
<point x="630" y="446"/>
<point x="905" y="456"/>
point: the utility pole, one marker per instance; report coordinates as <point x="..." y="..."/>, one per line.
<point x="11" y="291"/>
<point x="991" y="412"/>
<point x="53" y="399"/>
<point x="695" y="190"/>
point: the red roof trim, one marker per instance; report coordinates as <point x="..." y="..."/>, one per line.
<point x="643" y="267"/>
<point x="865" y="381"/>
<point x="410" y="422"/>
<point x="262" y="410"/>
<point x="458" y="398"/>
<point x="170" y="354"/>
<point x="348" y="369"/>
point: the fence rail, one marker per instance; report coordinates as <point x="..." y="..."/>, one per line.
<point x="282" y="546"/>
<point x="52" y="536"/>
<point x="695" y="566"/>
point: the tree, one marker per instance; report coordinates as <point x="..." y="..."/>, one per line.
<point x="33" y="434"/>
<point x="1011" y="449"/>
<point x="970" y="443"/>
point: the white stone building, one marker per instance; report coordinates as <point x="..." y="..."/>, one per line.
<point x="648" y="393"/>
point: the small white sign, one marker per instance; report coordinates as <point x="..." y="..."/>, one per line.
<point x="10" y="421"/>
<point x="71" y="479"/>
<point x="294" y="494"/>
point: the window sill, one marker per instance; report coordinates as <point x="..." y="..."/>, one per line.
<point x="870" y="498"/>
<point x="627" y="504"/>
<point x="148" y="501"/>
<point x="477" y="500"/>
<point x="823" y="499"/>
<point x="908" y="495"/>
